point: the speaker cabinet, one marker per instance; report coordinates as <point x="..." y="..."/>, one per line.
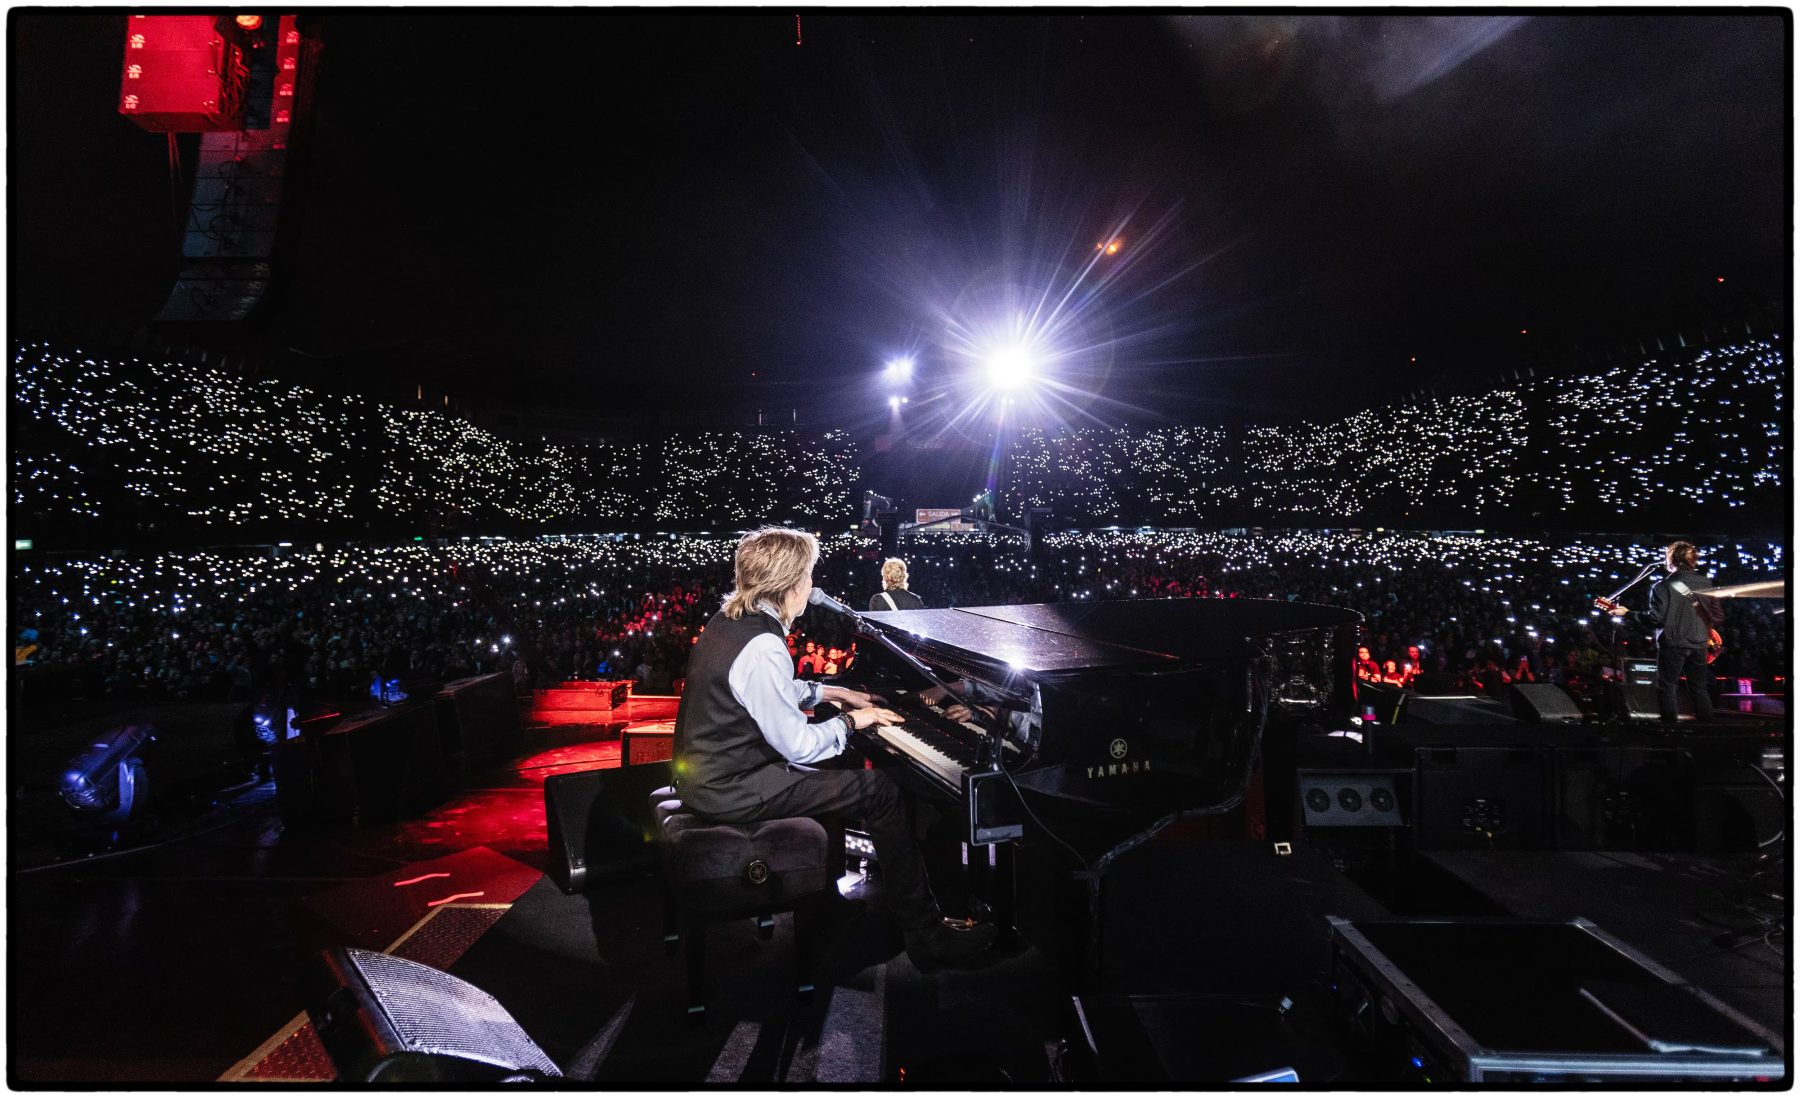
<point x="383" y="1019"/>
<point x="1479" y="788"/>
<point x="598" y="822"/>
<point x="1543" y="703"/>
<point x="479" y="720"/>
<point x="1455" y="710"/>
<point x="384" y="765"/>
<point x="1636" y="698"/>
<point x="1350" y="798"/>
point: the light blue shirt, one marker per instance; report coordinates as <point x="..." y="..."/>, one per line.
<point x="762" y="680"/>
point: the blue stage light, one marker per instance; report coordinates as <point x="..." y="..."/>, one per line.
<point x="108" y="777"/>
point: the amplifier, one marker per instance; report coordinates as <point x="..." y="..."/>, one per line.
<point x="1480" y="787"/>
<point x="1351" y="798"/>
<point x="1636" y="697"/>
<point x="1523" y="1001"/>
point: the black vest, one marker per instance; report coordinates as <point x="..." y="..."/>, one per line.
<point x="724" y="768"/>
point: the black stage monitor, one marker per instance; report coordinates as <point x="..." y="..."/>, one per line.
<point x="383" y="1019"/>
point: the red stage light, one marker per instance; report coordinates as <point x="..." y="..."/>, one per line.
<point x="416" y="880"/>
<point x="249" y="22"/>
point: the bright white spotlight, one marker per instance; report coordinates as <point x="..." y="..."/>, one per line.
<point x="894" y="403"/>
<point x="1011" y="367"/>
<point x="900" y="369"/>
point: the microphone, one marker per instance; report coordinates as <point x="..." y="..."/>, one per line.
<point x="820" y="598"/>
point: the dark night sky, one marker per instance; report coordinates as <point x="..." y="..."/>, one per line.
<point x="589" y="207"/>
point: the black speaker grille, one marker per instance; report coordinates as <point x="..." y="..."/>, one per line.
<point x="436" y="1013"/>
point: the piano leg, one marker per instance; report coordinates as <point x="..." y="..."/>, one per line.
<point x="1002" y="896"/>
<point x="991" y="886"/>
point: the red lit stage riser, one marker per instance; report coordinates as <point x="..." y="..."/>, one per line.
<point x="596" y="703"/>
<point x="184" y="73"/>
<point x="647" y="742"/>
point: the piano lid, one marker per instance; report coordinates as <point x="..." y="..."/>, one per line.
<point x="1068" y="636"/>
<point x="1019" y="646"/>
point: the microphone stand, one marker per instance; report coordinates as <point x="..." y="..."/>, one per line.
<point x="868" y="629"/>
<point x="1618" y="643"/>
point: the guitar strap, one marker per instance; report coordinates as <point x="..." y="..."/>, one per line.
<point x="890" y="601"/>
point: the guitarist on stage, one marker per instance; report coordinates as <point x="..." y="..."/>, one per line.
<point x="1684" y="627"/>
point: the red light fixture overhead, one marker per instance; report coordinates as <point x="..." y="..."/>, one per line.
<point x="249" y="22"/>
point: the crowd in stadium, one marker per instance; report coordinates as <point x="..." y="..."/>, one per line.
<point x="1627" y="444"/>
<point x="197" y="451"/>
<point x="123" y="446"/>
<point x="116" y="447"/>
<point x="1483" y="610"/>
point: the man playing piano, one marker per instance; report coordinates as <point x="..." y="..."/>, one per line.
<point x="744" y="749"/>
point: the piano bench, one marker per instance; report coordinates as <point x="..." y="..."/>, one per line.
<point x="715" y="872"/>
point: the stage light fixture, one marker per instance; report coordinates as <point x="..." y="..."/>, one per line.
<point x="108" y="778"/>
<point x="894" y="403"/>
<point x="1011" y="367"/>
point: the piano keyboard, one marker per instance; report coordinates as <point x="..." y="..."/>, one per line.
<point x="943" y="748"/>
<point x="932" y="759"/>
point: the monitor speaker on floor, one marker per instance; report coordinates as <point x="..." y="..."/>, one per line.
<point x="599" y="822"/>
<point x="1543" y="703"/>
<point x="1455" y="710"/>
<point x="383" y="1019"/>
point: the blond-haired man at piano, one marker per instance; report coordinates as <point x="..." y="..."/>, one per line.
<point x="745" y="751"/>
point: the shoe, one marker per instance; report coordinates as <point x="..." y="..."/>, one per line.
<point x="948" y="943"/>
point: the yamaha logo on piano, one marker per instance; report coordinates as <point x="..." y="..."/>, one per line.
<point x="1113" y="770"/>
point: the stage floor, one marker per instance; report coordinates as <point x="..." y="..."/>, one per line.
<point x="180" y="963"/>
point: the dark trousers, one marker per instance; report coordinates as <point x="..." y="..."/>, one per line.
<point x="1671" y="664"/>
<point x="872" y="797"/>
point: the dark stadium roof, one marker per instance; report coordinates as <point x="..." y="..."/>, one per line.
<point x="586" y="209"/>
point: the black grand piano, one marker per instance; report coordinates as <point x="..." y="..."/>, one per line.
<point x="1102" y="723"/>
